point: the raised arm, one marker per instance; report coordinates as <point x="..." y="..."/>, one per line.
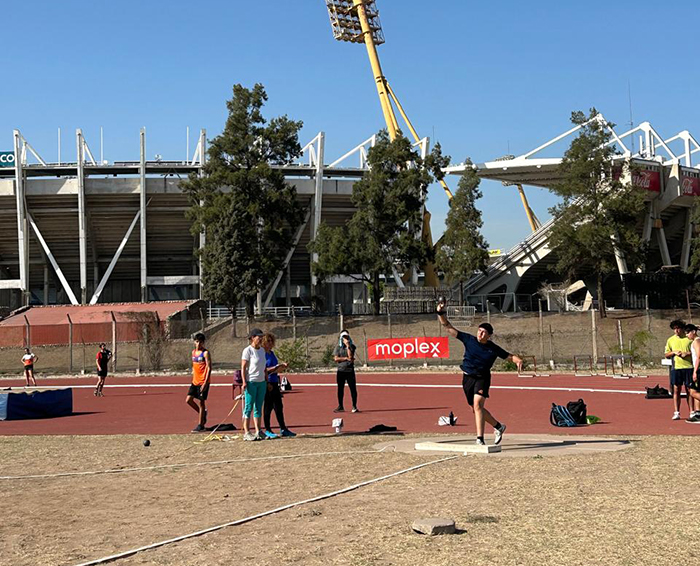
<point x="442" y="318"/>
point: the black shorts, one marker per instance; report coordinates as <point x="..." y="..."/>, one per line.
<point x="695" y="386"/>
<point x="681" y="377"/>
<point x="102" y="372"/>
<point x="475" y="385"/>
<point x="198" y="392"/>
<point x="29" y="368"/>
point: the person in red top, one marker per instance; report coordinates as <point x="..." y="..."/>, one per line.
<point x="201" y="377"/>
<point x="102" y="362"/>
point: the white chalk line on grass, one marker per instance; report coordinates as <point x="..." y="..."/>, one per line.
<point x="131" y="552"/>
<point x="398" y="385"/>
<point x="186" y="464"/>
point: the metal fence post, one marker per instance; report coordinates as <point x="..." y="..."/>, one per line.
<point x="594" y="332"/>
<point x="70" y="344"/>
<point x="294" y="325"/>
<point x="541" y="329"/>
<point x="341" y="318"/>
<point x="364" y="333"/>
<point x="27" y="333"/>
<point x="114" y="341"/>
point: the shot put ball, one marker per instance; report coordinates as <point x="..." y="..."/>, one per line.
<point x="147" y="442"/>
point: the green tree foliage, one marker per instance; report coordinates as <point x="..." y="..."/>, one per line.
<point x="695" y="247"/>
<point x="462" y="249"/>
<point x="247" y="210"/>
<point x="382" y="232"/>
<point x="599" y="210"/>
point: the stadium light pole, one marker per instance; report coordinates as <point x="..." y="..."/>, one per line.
<point x="357" y="21"/>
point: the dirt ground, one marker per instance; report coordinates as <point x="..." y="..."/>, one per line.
<point x="610" y="508"/>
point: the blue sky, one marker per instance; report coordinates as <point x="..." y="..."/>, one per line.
<point x="482" y="78"/>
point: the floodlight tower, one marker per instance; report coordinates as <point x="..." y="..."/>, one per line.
<point x="357" y="21"/>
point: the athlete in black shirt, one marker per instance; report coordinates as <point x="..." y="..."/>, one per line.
<point x="479" y="355"/>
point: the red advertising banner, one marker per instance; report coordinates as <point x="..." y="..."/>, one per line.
<point x="404" y="348"/>
<point x="690" y="186"/>
<point x="645" y="179"/>
<point x="642" y="179"/>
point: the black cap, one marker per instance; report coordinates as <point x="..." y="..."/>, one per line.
<point x="255" y="332"/>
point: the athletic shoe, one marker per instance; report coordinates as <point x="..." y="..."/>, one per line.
<point x="694" y="418"/>
<point x="339" y="410"/>
<point x="261" y="435"/>
<point x="269" y="434"/>
<point x="676" y="416"/>
<point x="480" y="442"/>
<point x="355" y="410"/>
<point x="96" y="393"/>
<point x="287" y="433"/>
<point x="498" y="434"/>
<point x="249" y="436"/>
<point x="199" y="428"/>
<point x="694" y="414"/>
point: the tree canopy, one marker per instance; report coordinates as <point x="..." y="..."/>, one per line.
<point x="383" y="232"/>
<point x="245" y="207"/>
<point x="462" y="249"/>
<point x="600" y="208"/>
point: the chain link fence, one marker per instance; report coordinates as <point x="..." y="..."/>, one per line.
<point x="554" y="340"/>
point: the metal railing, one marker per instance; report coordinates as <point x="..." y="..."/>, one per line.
<point x="281" y="312"/>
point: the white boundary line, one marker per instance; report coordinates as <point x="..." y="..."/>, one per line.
<point x="397" y="385"/>
<point x="185" y="465"/>
<point x="260" y="515"/>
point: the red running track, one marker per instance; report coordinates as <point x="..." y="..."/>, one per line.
<point x="411" y="402"/>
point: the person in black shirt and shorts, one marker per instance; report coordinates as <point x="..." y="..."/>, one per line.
<point x="479" y="355"/>
<point x="102" y="361"/>
<point x="344" y="356"/>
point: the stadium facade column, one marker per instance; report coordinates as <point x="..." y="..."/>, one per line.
<point x="203" y="233"/>
<point x="318" y="202"/>
<point x="142" y="208"/>
<point x="687" y="239"/>
<point x="82" y="236"/>
<point x="22" y="236"/>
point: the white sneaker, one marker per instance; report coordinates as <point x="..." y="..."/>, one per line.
<point x="498" y="434"/>
<point x="480" y="442"/>
<point x="676" y="416"/>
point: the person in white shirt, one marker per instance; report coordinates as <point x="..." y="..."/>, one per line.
<point x="28" y="361"/>
<point x="254" y="384"/>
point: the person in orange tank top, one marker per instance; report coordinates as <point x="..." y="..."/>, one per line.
<point x="201" y="377"/>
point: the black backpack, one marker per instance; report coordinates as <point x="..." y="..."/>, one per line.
<point x="578" y="411"/>
<point x="657" y="392"/>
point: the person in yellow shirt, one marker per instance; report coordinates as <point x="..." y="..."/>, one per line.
<point x="678" y="348"/>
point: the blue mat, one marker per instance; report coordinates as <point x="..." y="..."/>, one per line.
<point x="35" y="404"/>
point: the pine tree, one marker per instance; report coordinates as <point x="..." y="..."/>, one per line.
<point x="462" y="249"/>
<point x="245" y="206"/>
<point x="599" y="211"/>
<point x="382" y="233"/>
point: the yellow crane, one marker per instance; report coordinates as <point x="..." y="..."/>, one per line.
<point x="357" y="21"/>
